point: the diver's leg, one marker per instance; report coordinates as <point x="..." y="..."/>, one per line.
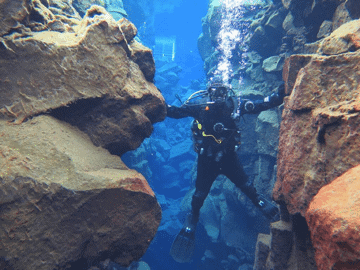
<point x="233" y="169"/>
<point x="207" y="171"/>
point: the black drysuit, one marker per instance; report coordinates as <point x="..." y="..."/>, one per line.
<point x="216" y="141"/>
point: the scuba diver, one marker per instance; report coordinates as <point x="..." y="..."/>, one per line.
<point x="216" y="133"/>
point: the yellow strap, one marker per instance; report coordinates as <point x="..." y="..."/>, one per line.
<point x="205" y="135"/>
<point x="216" y="140"/>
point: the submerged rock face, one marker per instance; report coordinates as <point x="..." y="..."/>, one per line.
<point x="319" y="134"/>
<point x="84" y="60"/>
<point x="333" y="218"/>
<point x="64" y="200"/>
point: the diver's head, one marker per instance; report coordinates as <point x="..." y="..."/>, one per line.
<point x="218" y="92"/>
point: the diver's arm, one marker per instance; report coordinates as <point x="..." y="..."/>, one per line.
<point x="257" y="106"/>
<point x="182" y="111"/>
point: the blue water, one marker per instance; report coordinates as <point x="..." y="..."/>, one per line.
<point x="183" y="21"/>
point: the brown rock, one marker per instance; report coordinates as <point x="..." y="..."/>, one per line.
<point x="341" y="16"/>
<point x="63" y="200"/>
<point x="12" y="12"/>
<point x="262" y="251"/>
<point x="291" y="68"/>
<point x="320" y="124"/>
<point x="280" y="246"/>
<point x="344" y="39"/>
<point x="95" y="59"/>
<point x="333" y="218"/>
<point x="142" y="56"/>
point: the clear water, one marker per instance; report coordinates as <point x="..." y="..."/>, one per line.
<point x="181" y="22"/>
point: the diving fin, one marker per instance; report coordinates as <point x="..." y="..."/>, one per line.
<point x="183" y="246"/>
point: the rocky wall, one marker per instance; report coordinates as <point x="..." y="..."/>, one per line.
<point x="315" y="44"/>
<point x="69" y="88"/>
<point x="319" y="130"/>
<point x="333" y="218"/>
<point x="94" y="61"/>
<point x="319" y="141"/>
<point x="66" y="203"/>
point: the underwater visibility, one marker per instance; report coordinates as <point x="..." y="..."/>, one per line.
<point x="205" y="135"/>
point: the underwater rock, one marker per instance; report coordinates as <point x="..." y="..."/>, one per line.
<point x="288" y="23"/>
<point x="341" y="16"/>
<point x="95" y="62"/>
<point x="344" y="39"/>
<point x="83" y="5"/>
<point x="273" y="63"/>
<point x="262" y="251"/>
<point x="62" y="9"/>
<point x="181" y="148"/>
<point x="115" y="8"/>
<point x="319" y="133"/>
<point x="275" y="20"/>
<point x="280" y="245"/>
<point x="264" y="170"/>
<point x="169" y="67"/>
<point x="266" y="31"/>
<point x="12" y="12"/>
<point x="333" y="218"/>
<point x="291" y="69"/>
<point x="204" y="46"/>
<point x="267" y="131"/>
<point x="170" y="211"/>
<point x="172" y="78"/>
<point x="64" y="201"/>
<point x="167" y="77"/>
<point x="325" y="29"/>
<point x="211" y="25"/>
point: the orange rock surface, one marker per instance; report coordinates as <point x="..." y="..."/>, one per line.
<point x="63" y="200"/>
<point x="93" y="64"/>
<point x="319" y="133"/>
<point x="334" y="221"/>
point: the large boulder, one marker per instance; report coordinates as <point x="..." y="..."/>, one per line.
<point x="319" y="133"/>
<point x="64" y="201"/>
<point x="343" y="39"/>
<point x="333" y="218"/>
<point x="94" y="66"/>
